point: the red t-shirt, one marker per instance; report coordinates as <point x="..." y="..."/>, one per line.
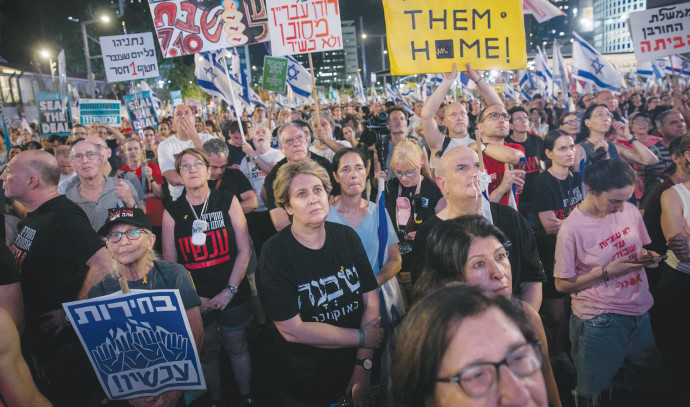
<point x="154" y="206"/>
<point x="495" y="169"/>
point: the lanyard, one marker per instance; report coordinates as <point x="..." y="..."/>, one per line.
<point x="203" y="209"/>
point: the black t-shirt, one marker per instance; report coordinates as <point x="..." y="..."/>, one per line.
<point x="268" y="181"/>
<point x="210" y="265"/>
<point x="235" y="155"/>
<point x="233" y="181"/>
<point x="428" y="191"/>
<point x="167" y="276"/>
<point x="53" y="245"/>
<point x="325" y="285"/>
<point x="534" y="147"/>
<point x="8" y="268"/>
<point x="559" y="196"/>
<point x="522" y="249"/>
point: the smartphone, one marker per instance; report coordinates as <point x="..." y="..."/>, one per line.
<point x="649" y="260"/>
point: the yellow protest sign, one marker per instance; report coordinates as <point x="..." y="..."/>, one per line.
<point x="427" y="36"/>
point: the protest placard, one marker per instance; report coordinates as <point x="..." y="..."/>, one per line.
<point x="304" y="26"/>
<point x="141" y="110"/>
<point x="185" y="27"/>
<point x="99" y="111"/>
<point x="176" y="97"/>
<point x="139" y="344"/>
<point x="275" y="71"/>
<point x="129" y="57"/>
<point x="660" y="32"/>
<point x="194" y="105"/>
<point x="51" y="118"/>
<point x="427" y="36"/>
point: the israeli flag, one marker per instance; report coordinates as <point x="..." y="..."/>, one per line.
<point x="298" y="78"/>
<point x="466" y="82"/>
<point x="590" y="66"/>
<point x="541" y="64"/>
<point x="510" y="92"/>
<point x="678" y="66"/>
<point x="238" y="80"/>
<point x="561" y="79"/>
<point x="359" y="91"/>
<point x="157" y="104"/>
<point x="211" y="74"/>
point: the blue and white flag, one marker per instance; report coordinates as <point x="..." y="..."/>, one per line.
<point x="527" y="84"/>
<point x="238" y="80"/>
<point x="359" y="91"/>
<point x="590" y="66"/>
<point x="541" y="65"/>
<point x="211" y="74"/>
<point x="298" y="78"/>
<point x="678" y="66"/>
<point x="652" y="69"/>
<point x="466" y="82"/>
<point x="510" y="92"/>
<point x="157" y="104"/>
<point x="561" y="79"/>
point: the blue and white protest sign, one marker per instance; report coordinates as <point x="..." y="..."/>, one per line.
<point x="101" y="111"/>
<point x="139" y="344"/>
<point x="51" y="117"/>
<point x="141" y="110"/>
<point x="176" y="97"/>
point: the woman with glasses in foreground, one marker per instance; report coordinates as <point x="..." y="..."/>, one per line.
<point x="466" y="346"/>
<point x="205" y="230"/>
<point x="129" y="239"/>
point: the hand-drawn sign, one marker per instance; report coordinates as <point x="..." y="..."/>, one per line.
<point x="427" y="36"/>
<point x="304" y="26"/>
<point x="140" y="344"/>
<point x="188" y="27"/>
<point x="129" y="57"/>
<point x="99" y="111"/>
<point x="51" y="118"/>
<point x="141" y="110"/>
<point x="660" y="32"/>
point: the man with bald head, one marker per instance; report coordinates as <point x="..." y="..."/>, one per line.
<point x="456" y="176"/>
<point x="60" y="258"/>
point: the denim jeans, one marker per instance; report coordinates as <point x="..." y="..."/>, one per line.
<point x="601" y="346"/>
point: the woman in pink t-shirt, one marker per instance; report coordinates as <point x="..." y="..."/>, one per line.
<point x="596" y="262"/>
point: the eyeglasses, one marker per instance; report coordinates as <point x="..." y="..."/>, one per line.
<point x="603" y="115"/>
<point x="572" y="122"/>
<point x="291" y="141"/>
<point x="186" y="167"/>
<point x="132" y="234"/>
<point x="220" y="168"/>
<point x="520" y="119"/>
<point x="479" y="379"/>
<point x="404" y="173"/>
<point x="495" y="116"/>
<point x="587" y="100"/>
<point x="641" y="122"/>
<point x="89" y="155"/>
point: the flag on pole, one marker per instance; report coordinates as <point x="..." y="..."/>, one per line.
<point x="541" y="65"/>
<point x="561" y="78"/>
<point x="157" y="104"/>
<point x="298" y="78"/>
<point x="466" y="82"/>
<point x="25" y="126"/>
<point x="75" y="93"/>
<point x="359" y="90"/>
<point x="590" y="66"/>
<point x="652" y="69"/>
<point x="238" y="80"/>
<point x="678" y="66"/>
<point x="211" y="74"/>
<point x="542" y="10"/>
<point x="62" y="80"/>
<point x="510" y="92"/>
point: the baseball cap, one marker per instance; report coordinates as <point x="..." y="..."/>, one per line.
<point x="131" y="216"/>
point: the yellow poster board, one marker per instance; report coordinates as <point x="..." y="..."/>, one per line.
<point x="427" y="36"/>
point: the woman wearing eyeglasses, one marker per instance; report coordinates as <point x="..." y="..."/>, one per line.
<point x="129" y="239"/>
<point x="470" y="250"/>
<point x="205" y="230"/>
<point x="466" y="346"/>
<point x="570" y="123"/>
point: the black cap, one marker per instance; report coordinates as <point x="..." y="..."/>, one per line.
<point x="131" y="216"/>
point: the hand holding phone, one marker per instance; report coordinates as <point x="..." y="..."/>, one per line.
<point x="648" y="259"/>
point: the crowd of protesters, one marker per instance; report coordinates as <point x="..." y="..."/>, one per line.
<point x="565" y="221"/>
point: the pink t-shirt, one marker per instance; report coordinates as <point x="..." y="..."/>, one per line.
<point x="585" y="243"/>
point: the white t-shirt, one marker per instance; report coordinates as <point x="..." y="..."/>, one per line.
<point x="328" y="153"/>
<point x="454" y="142"/>
<point x="256" y="175"/>
<point x="168" y="150"/>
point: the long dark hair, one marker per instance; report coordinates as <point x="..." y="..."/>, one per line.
<point x="549" y="141"/>
<point x="447" y="249"/>
<point x="427" y="331"/>
<point x="584" y="130"/>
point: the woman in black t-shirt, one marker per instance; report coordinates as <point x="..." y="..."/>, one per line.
<point x="205" y="230"/>
<point x="556" y="193"/>
<point x="317" y="287"/>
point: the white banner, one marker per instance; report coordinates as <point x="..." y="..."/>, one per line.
<point x="660" y="32"/>
<point x="129" y="57"/>
<point x="307" y="26"/>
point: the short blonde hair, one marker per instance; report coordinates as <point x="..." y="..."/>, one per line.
<point x="408" y="154"/>
<point x="195" y="152"/>
<point x="288" y="172"/>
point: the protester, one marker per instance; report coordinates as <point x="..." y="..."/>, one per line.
<point x="452" y="347"/>
<point x="150" y="144"/>
<point x="229" y="179"/>
<point x="213" y="220"/>
<point x="596" y="261"/>
<point x="326" y="144"/>
<point x="670" y="125"/>
<point x="570" y="123"/>
<point x="62" y="154"/>
<point x="533" y="145"/>
<point x="235" y="153"/>
<point x="538" y="124"/>
<point x="325" y="339"/>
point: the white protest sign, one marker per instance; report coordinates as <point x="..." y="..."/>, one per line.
<point x="129" y="57"/>
<point x="307" y="26"/>
<point x="660" y="32"/>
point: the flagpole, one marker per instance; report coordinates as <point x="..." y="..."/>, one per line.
<point x="313" y="85"/>
<point x="238" y="115"/>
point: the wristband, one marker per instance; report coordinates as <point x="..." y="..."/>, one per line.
<point x="632" y="140"/>
<point x="361" y="338"/>
<point x="605" y="274"/>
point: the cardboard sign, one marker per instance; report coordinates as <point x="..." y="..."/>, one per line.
<point x="304" y="26"/>
<point x="129" y="57"/>
<point x="51" y="118"/>
<point x="428" y="36"/>
<point x="275" y="71"/>
<point x="101" y="111"/>
<point x="660" y="32"/>
<point x="185" y="27"/>
<point x="139" y="344"/>
<point x="141" y="110"/>
<point x="176" y="97"/>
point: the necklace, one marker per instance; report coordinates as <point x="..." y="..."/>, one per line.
<point x="565" y="196"/>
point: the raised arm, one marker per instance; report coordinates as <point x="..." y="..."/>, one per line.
<point x="434" y="137"/>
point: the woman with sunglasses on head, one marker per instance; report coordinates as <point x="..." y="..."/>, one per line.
<point x="469" y="249"/>
<point x="464" y="346"/>
<point x="129" y="239"/>
<point x="206" y="231"/>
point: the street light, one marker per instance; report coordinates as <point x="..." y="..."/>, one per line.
<point x="384" y="51"/>
<point x="46" y="54"/>
<point x="104" y="19"/>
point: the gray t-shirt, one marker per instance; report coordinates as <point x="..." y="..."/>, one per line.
<point x="97" y="212"/>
